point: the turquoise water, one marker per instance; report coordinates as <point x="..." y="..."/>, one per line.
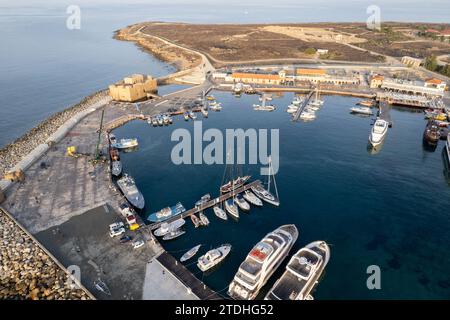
<point x="389" y="209"/>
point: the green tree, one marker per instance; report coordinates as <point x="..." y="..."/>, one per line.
<point x="310" y="51"/>
<point x="431" y="63"/>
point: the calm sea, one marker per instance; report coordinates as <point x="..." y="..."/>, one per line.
<point x="388" y="209"/>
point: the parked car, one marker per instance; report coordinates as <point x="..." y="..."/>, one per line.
<point x="138" y="243"/>
<point x="125" y="239"/>
<point x="116" y="232"/>
<point x="116" y="225"/>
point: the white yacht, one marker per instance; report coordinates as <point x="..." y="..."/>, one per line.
<point x="302" y="273"/>
<point x="241" y="203"/>
<point x="308" y="115"/>
<point x="189" y="254"/>
<point x="378" y="133"/>
<point x="361" y="110"/>
<point x="263" y="107"/>
<point x="231" y="208"/>
<point x="218" y="211"/>
<point x="292" y="108"/>
<point x="250" y="197"/>
<point x="213" y="257"/>
<point x="262" y="261"/>
<point x="265" y="195"/>
<point x="125" y="143"/>
<point x="166" y="228"/>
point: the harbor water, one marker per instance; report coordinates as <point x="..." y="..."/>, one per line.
<point x="387" y="209"/>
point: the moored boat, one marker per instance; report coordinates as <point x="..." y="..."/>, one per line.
<point x="215" y="108"/>
<point x="213" y="257"/>
<point x="174" y="234"/>
<point x="186" y="116"/>
<point x="125" y="143"/>
<point x="220" y="213"/>
<point x="302" y="273"/>
<point x="378" y="132"/>
<point x="116" y="168"/>
<point x="112" y="138"/>
<point x="236" y="183"/>
<point x="204" y="220"/>
<point x="265" y="195"/>
<point x="131" y="192"/>
<point x="204" y="199"/>
<point x="192" y="115"/>
<point x="239" y="200"/>
<point x="169" y="227"/>
<point x="251" y="198"/>
<point x="366" y="103"/>
<point x="231" y="208"/>
<point x="205" y="113"/>
<point x="262" y="261"/>
<point x="432" y="133"/>
<point x="190" y="253"/>
<point x="361" y="110"/>
<point x="268" y="107"/>
<point x="166" y="213"/>
<point x="114" y="154"/>
<point x="195" y="220"/>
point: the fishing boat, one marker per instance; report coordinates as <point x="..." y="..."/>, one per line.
<point x="218" y="211"/>
<point x="192" y="115"/>
<point x="190" y="253"/>
<point x="231" y="185"/>
<point x="366" y="103"/>
<point x="174" y="234"/>
<point x="204" y="199"/>
<point x="165" y="227"/>
<point x="250" y="197"/>
<point x="125" y="143"/>
<point x="432" y="133"/>
<point x="262" y="261"/>
<point x="378" y="133"/>
<point x="186" y="116"/>
<point x="112" y="138"/>
<point x="231" y="208"/>
<point x="130" y="191"/>
<point x="203" y="219"/>
<point x="213" y="257"/>
<point x="264" y="194"/>
<point x="361" y="110"/>
<point x="166" y="213"/>
<point x="241" y="203"/>
<point x="116" y="168"/>
<point x="302" y="273"/>
<point x="195" y="220"/>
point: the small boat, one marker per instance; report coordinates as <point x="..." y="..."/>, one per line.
<point x="366" y="103"/>
<point x="203" y="219"/>
<point x="154" y="121"/>
<point x="114" y="154"/>
<point x="316" y="102"/>
<point x="125" y="143"/>
<point x="166" y="213"/>
<point x="174" y="234"/>
<point x="186" y="116"/>
<point x="165" y="227"/>
<point x="195" y="220"/>
<point x="292" y="109"/>
<point x="112" y="138"/>
<point x="205" y="113"/>
<point x="268" y="107"/>
<point x="242" y="203"/>
<point x="213" y="257"/>
<point x="250" y="197"/>
<point x="231" y="208"/>
<point x="442" y="124"/>
<point x="297" y="101"/>
<point x="189" y="254"/>
<point x="220" y="213"/>
<point x="232" y="185"/>
<point x="307" y="115"/>
<point x="210" y="98"/>
<point x="166" y="119"/>
<point x="432" y="133"/>
<point x="215" y="103"/>
<point x="265" y="195"/>
<point x="215" y="108"/>
<point x="192" y="115"/>
<point x="160" y="121"/>
<point x="116" y="168"/>
<point x="204" y="199"/>
<point x="361" y="110"/>
<point x="378" y="133"/>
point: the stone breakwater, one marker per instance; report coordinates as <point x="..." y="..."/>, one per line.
<point x="27" y="271"/>
<point x="12" y="153"/>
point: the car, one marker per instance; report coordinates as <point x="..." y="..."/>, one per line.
<point x="131" y="219"/>
<point x="138" y="243"/>
<point x="116" y="232"/>
<point x="125" y="239"/>
<point x="116" y="225"/>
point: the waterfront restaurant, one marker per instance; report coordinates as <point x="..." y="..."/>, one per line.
<point x="257" y="78"/>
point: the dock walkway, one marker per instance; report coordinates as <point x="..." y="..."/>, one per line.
<point x="302" y="106"/>
<point x="207" y="205"/>
<point x="187" y="278"/>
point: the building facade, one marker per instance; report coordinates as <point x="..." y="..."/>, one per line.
<point x="257" y="78"/>
<point x="133" y="88"/>
<point x="411" y="62"/>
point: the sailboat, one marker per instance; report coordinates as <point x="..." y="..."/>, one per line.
<point x="265" y="194"/>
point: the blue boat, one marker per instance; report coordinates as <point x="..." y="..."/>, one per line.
<point x="166" y="213"/>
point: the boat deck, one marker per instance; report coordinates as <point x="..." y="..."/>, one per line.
<point x="187" y="278"/>
<point x="207" y="205"/>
